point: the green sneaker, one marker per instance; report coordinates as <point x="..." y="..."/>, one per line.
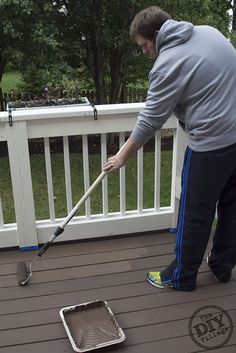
<point x="155" y="279"/>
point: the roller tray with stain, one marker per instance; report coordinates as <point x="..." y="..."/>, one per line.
<point x="91" y="326"/>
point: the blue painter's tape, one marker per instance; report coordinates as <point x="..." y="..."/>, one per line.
<point x="172" y="230"/>
<point x="28" y="248"/>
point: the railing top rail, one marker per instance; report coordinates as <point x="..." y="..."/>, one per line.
<point x="82" y="112"/>
<point x="70" y="111"/>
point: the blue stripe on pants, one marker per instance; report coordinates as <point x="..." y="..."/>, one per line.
<point x="180" y="230"/>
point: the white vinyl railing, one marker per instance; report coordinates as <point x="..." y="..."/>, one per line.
<point x="46" y="123"/>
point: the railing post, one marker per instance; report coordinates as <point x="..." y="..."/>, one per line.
<point x="22" y="183"/>
<point x="178" y="150"/>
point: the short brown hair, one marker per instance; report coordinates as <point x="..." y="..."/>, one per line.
<point x="147" y="22"/>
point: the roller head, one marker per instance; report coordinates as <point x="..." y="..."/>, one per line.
<point x="22" y="274"/>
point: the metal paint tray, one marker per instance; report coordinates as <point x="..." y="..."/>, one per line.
<point x="91" y="325"/>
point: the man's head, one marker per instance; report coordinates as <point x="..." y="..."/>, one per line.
<point x="146" y="25"/>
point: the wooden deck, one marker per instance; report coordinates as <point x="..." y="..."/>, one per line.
<point x="114" y="270"/>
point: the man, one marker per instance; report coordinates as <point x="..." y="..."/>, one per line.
<point x="194" y="76"/>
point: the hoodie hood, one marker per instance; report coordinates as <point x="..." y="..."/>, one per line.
<point x="173" y="33"/>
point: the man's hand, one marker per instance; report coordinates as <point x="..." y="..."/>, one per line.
<point x="119" y="160"/>
<point x="114" y="163"/>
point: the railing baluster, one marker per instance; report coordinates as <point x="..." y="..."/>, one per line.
<point x="67" y="172"/>
<point x="49" y="179"/>
<point x="86" y="173"/>
<point x="122" y="180"/>
<point x="1" y="214"/>
<point x="140" y="180"/>
<point x="104" y="182"/>
<point x="157" y="175"/>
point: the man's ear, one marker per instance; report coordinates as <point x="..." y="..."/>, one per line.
<point x="156" y="34"/>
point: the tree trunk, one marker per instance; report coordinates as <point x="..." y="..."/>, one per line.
<point x="1" y="100"/>
<point x="99" y="78"/>
<point x="234" y="16"/>
<point x="98" y="54"/>
<point x="2" y="66"/>
<point x="117" y="74"/>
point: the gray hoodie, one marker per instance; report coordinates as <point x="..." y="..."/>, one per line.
<point x="194" y="76"/>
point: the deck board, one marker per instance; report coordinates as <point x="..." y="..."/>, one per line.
<point x="113" y="270"/>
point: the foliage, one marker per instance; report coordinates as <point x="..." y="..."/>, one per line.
<point x="199" y="12"/>
<point x="27" y="34"/>
<point x="36" y="78"/>
<point x="95" y="34"/>
<point x="88" y="40"/>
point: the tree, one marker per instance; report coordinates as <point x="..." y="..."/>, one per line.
<point x="95" y="33"/>
<point x="42" y="37"/>
<point x="27" y="33"/>
<point x="201" y="12"/>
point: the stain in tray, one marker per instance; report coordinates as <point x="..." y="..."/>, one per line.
<point x="91" y="327"/>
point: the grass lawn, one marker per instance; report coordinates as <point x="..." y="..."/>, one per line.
<point x="11" y="80"/>
<point x="40" y="184"/>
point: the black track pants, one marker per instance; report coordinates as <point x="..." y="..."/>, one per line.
<point x="208" y="181"/>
